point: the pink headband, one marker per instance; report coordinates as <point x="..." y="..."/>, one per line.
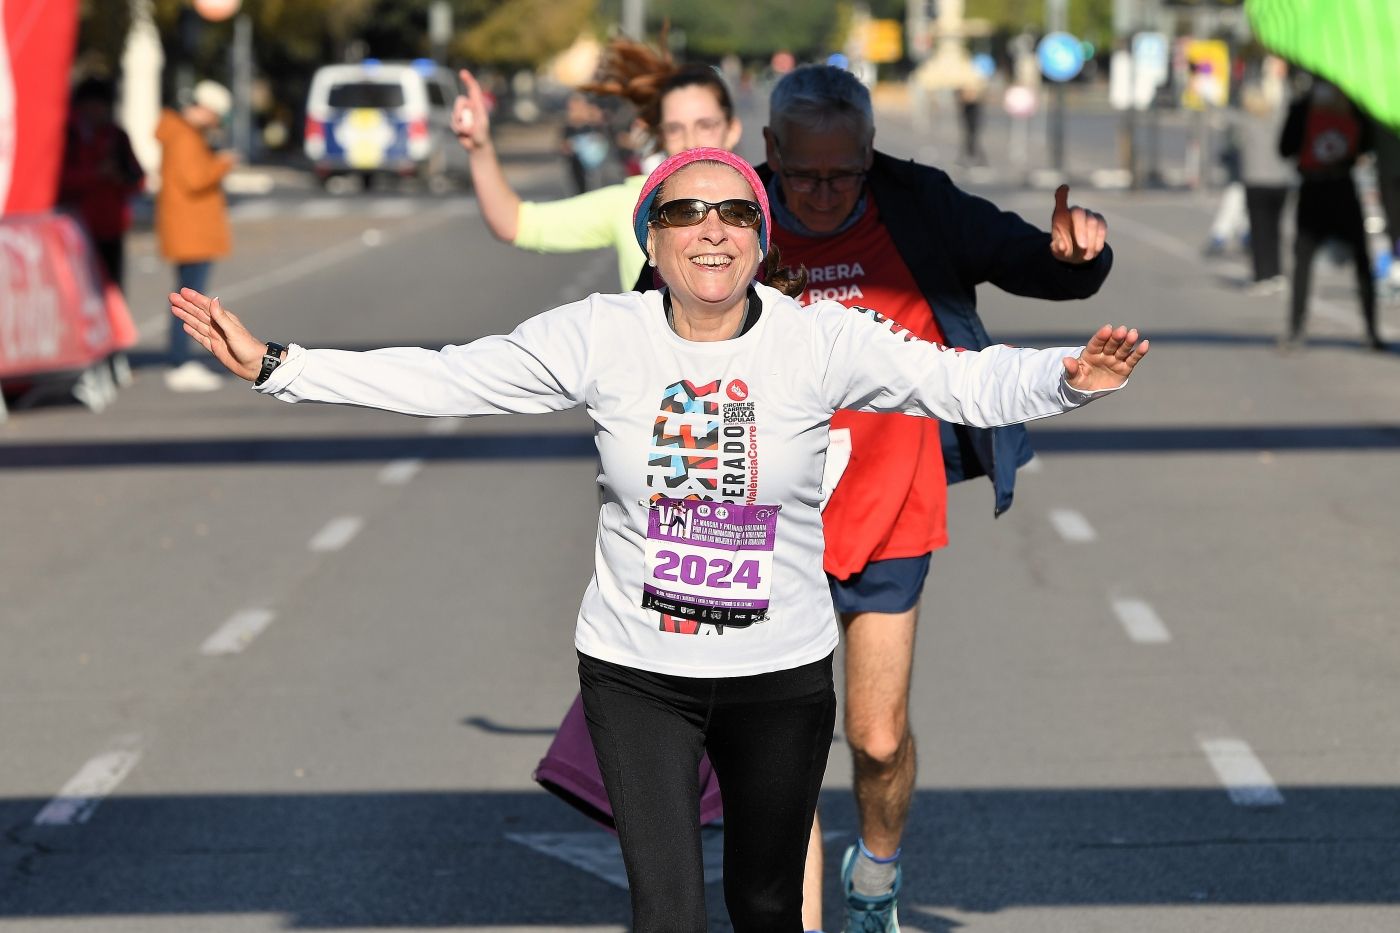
<point x="668" y="168"/>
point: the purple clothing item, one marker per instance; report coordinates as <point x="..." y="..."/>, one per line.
<point x="569" y="770"/>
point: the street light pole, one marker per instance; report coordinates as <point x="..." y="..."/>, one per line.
<point x="634" y="19"/>
<point x="241" y="69"/>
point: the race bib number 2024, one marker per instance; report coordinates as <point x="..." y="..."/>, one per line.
<point x="710" y="561"/>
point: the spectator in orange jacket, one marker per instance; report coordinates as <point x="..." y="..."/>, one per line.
<point x="192" y="214"/>
<point x="100" y="173"/>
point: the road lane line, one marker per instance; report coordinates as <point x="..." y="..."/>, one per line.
<point x="318" y="261"/>
<point x="1319" y="307"/>
<point x="322" y="210"/>
<point x="398" y="472"/>
<point x="337" y="533"/>
<point x="1162" y="241"/>
<point x="1141" y="621"/>
<point x="386" y="208"/>
<point x="1072" y="526"/>
<point x="238" y="632"/>
<point x="444" y="425"/>
<point x="80" y="797"/>
<point x="1246" y="779"/>
<point x="254" y="210"/>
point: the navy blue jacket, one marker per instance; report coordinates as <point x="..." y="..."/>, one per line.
<point x="953" y="241"/>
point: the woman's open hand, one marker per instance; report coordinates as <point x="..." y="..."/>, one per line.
<point x="220" y="332"/>
<point x="1107" y="361"/>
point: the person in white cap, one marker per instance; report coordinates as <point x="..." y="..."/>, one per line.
<point x="192" y="214"/>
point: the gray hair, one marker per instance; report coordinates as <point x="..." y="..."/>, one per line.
<point x="820" y="98"/>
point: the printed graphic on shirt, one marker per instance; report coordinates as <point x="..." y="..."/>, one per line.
<point x="704" y="448"/>
<point x="890" y="323"/>
<point x="835" y="281"/>
<point x="687" y="421"/>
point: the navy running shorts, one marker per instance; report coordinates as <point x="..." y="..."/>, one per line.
<point x="889" y="586"/>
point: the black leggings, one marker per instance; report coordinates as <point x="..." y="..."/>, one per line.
<point x="767" y="735"/>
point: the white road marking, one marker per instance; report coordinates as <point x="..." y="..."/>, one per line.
<point x="1246" y="779"/>
<point x="1153" y="237"/>
<point x="400" y="207"/>
<point x="322" y="210"/>
<point x="399" y="472"/>
<point x="337" y="533"/>
<point x="238" y="632"/>
<point x="598" y="853"/>
<point x="1072" y="526"/>
<point x="444" y="425"/>
<point x="316" y="262"/>
<point x="1033" y="465"/>
<point x="254" y="210"/>
<point x="1323" y="308"/>
<point x="1141" y="621"/>
<point x="80" y="797"/>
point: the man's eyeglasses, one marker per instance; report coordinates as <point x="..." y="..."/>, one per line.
<point x="687" y="212"/>
<point x="807" y="182"/>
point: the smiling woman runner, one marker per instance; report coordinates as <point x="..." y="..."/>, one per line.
<point x="711" y="400"/>
<point x="680" y="106"/>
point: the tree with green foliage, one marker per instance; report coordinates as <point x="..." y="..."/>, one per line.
<point x="753" y="29"/>
<point x="526" y="33"/>
<point x="1088" y="19"/>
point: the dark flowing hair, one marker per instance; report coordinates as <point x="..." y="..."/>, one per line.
<point x="785" y="279"/>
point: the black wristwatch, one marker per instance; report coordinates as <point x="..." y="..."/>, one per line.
<point x="271" y="360"/>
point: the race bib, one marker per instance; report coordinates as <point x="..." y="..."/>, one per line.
<point x="709" y="561"/>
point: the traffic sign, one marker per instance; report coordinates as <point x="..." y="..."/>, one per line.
<point x="1148" y="68"/>
<point x="1061" y="56"/>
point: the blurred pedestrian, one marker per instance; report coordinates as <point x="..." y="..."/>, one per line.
<point x="682" y="106"/>
<point x="1387" y="145"/>
<point x="192" y="214"/>
<point x="882" y="232"/>
<point x="1268" y="177"/>
<point x="100" y="173"/>
<point x="970" y="96"/>
<point x="755" y="689"/>
<point x="1231" y="221"/>
<point x="585" y="142"/>
<point x="1326" y="134"/>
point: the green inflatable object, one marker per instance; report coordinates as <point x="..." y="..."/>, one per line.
<point x="1355" y="44"/>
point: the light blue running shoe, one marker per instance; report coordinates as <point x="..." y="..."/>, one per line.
<point x="868" y="914"/>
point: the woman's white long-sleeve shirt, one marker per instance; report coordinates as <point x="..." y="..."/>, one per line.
<point x="738" y="421"/>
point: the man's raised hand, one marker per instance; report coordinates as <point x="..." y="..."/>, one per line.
<point x="1077" y="235"/>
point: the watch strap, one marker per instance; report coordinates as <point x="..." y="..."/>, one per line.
<point x="270" y="361"/>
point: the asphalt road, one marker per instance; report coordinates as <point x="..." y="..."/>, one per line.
<point x="273" y="667"/>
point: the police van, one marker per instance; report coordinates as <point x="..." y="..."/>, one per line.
<point x="376" y="118"/>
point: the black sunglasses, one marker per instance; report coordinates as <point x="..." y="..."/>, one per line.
<point x="687" y="212"/>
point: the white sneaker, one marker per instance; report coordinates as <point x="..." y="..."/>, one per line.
<point x="192" y="377"/>
<point x="1264" y="287"/>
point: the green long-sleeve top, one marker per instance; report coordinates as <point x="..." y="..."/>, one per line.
<point x="592" y="220"/>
